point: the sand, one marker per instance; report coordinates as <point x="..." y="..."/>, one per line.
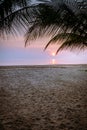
<point x="43" y="97"/>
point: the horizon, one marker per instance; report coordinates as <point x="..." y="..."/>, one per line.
<point x="46" y="65"/>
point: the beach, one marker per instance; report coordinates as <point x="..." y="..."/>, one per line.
<point x="51" y="97"/>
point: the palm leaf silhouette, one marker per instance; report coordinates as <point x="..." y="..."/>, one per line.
<point x="63" y="20"/>
<point x="70" y="24"/>
<point x="14" y="15"/>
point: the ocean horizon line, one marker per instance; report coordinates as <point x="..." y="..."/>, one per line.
<point x="44" y="65"/>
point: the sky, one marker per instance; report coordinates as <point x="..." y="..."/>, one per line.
<point x="14" y="52"/>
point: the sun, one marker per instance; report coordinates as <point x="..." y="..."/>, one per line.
<point x="53" y="54"/>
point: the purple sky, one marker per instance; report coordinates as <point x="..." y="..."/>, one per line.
<point x="13" y="52"/>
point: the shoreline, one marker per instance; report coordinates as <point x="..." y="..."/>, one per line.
<point x="43" y="66"/>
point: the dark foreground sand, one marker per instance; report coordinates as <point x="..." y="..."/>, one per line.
<point x="43" y="98"/>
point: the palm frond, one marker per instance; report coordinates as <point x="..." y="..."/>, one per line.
<point x="58" y="19"/>
<point x="19" y="19"/>
<point x="50" y="20"/>
<point x="42" y="24"/>
<point x="9" y="6"/>
<point x="58" y="37"/>
<point x="72" y="42"/>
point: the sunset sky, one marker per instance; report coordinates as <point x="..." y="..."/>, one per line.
<point x="13" y="52"/>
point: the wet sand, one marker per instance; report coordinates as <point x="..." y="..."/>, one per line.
<point x="43" y="97"/>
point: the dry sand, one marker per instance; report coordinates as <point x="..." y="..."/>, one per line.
<point x="43" y="98"/>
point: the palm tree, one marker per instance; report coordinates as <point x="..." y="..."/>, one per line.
<point x="63" y="22"/>
<point x="16" y="16"/>
<point x="60" y="19"/>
